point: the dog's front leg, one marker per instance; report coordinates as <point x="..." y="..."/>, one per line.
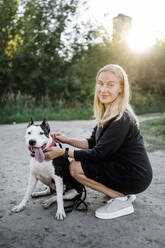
<point x="60" y="215"/>
<point x="31" y="185"/>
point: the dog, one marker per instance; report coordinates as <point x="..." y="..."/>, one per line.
<point x="51" y="173"/>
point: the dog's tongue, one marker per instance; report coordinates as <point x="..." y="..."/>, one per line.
<point x="39" y="155"/>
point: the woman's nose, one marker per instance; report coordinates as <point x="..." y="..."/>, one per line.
<point x="103" y="88"/>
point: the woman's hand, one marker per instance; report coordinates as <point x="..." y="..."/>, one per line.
<point x="61" y="138"/>
<point x="53" y="152"/>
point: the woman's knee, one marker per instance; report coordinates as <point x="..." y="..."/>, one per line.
<point x="75" y="168"/>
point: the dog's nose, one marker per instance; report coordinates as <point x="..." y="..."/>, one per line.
<point x="32" y="142"/>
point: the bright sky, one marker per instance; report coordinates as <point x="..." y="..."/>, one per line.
<point x="148" y="19"/>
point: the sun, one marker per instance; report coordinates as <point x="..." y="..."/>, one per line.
<point x="140" y="39"/>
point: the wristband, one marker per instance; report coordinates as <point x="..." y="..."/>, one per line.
<point x="66" y="153"/>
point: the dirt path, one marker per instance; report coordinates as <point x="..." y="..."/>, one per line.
<point x="36" y="227"/>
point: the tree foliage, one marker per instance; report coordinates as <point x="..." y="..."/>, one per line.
<point x="47" y="55"/>
<point x="8" y="16"/>
<point x="39" y="65"/>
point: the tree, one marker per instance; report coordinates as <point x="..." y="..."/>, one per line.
<point x="40" y="61"/>
<point x="8" y="16"/>
<point x="36" y="56"/>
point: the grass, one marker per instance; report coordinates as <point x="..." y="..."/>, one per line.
<point x="17" y="113"/>
<point x="147" y="103"/>
<point x="153" y="132"/>
<point x="19" y="108"/>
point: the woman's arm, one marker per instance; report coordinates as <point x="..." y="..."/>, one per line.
<point x="79" y="143"/>
<point x="54" y="152"/>
<point x="82" y="144"/>
<point x="111" y="140"/>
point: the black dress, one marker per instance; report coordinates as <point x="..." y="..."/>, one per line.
<point x="117" y="157"/>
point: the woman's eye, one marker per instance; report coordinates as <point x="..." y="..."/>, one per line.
<point x="100" y="83"/>
<point x="109" y="85"/>
<point x="41" y="133"/>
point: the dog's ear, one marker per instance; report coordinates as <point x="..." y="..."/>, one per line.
<point x="46" y="124"/>
<point x="30" y="122"/>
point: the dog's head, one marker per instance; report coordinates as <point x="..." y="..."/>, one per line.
<point x="38" y="138"/>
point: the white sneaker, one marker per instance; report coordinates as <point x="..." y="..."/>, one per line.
<point x="131" y="198"/>
<point x="115" y="208"/>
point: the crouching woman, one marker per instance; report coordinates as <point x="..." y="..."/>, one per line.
<point x="113" y="160"/>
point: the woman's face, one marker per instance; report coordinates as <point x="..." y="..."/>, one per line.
<point x="108" y="87"/>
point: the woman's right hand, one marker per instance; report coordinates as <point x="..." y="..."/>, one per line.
<point x="61" y="138"/>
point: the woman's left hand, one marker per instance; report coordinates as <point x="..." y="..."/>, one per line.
<point x="53" y="152"/>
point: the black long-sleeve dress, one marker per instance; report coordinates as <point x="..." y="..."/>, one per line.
<point x="117" y="157"/>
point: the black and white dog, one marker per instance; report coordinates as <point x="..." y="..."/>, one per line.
<point x="51" y="173"/>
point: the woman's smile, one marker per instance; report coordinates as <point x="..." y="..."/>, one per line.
<point x="104" y="96"/>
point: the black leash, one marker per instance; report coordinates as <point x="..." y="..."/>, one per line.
<point x="77" y="202"/>
<point x="82" y="201"/>
<point x="58" y="144"/>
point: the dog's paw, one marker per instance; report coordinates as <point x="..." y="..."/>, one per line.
<point x="35" y="194"/>
<point x="60" y="215"/>
<point x="49" y="202"/>
<point x="18" y="208"/>
<point x="45" y="204"/>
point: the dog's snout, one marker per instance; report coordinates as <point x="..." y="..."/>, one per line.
<point x="32" y="142"/>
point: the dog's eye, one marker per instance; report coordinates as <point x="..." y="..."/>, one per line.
<point x="41" y="133"/>
<point x="29" y="132"/>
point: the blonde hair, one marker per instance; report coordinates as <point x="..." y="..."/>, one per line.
<point x="120" y="104"/>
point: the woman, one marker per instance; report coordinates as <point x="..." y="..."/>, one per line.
<point x="113" y="160"/>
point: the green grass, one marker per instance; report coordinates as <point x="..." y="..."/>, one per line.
<point x="19" y="108"/>
<point x="153" y="132"/>
<point x="18" y="114"/>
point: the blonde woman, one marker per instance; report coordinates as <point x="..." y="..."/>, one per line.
<point x="113" y="160"/>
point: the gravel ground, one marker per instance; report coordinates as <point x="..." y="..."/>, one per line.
<point x="37" y="227"/>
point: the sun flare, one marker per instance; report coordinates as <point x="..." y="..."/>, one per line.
<point x="140" y="39"/>
<point x="148" y="20"/>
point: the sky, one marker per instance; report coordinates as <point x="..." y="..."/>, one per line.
<point x="148" y="19"/>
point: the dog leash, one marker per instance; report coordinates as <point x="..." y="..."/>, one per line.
<point x="81" y="201"/>
<point x="77" y="201"/>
